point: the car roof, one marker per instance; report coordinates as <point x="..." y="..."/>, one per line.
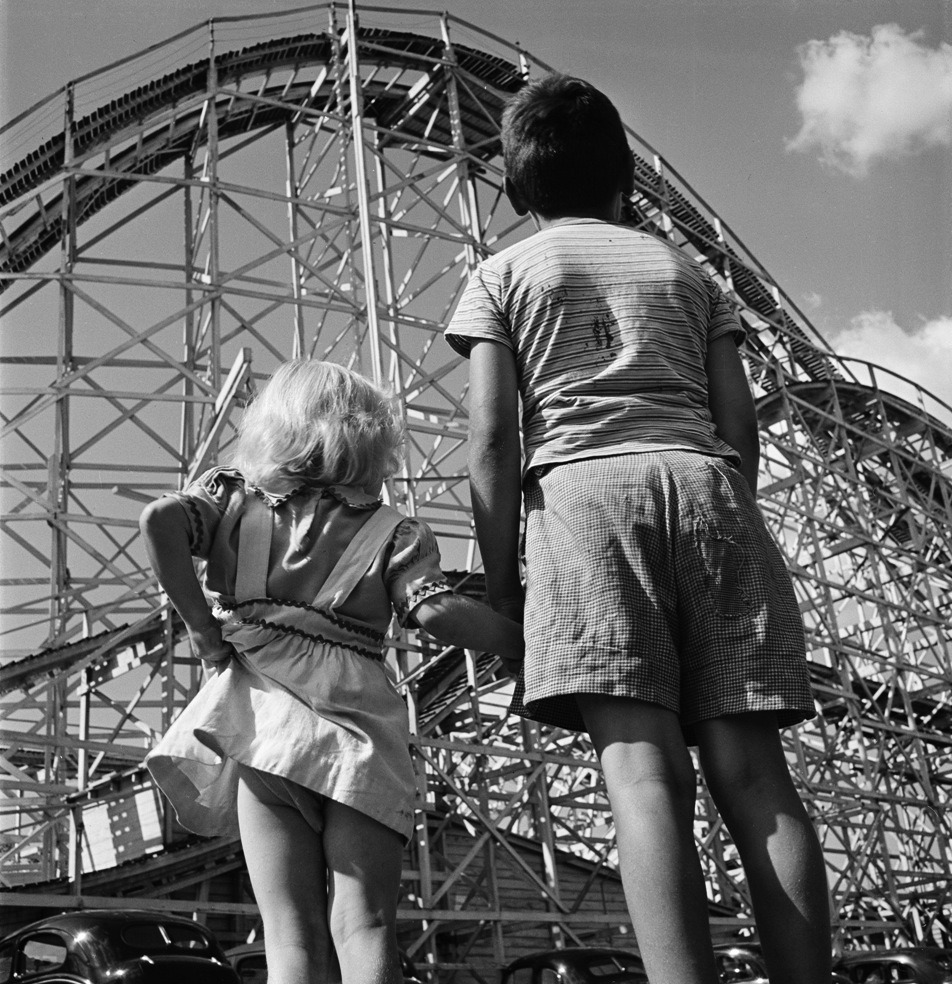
<point x="851" y="956"/>
<point x="75" y="920"/>
<point x="569" y="951"/>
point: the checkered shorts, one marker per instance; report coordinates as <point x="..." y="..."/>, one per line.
<point x="653" y="576"/>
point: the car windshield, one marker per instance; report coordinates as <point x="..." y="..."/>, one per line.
<point x="145" y="938"/>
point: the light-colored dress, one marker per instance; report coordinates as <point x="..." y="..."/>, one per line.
<point x="305" y="585"/>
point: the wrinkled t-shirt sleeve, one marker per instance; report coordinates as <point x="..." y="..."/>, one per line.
<point x="206" y="501"/>
<point x="479" y="314"/>
<point x="413" y="570"/>
<point x="724" y="320"/>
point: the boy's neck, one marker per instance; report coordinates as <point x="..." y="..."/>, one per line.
<point x="609" y="212"/>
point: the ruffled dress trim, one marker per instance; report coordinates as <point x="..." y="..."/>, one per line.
<point x="303" y="621"/>
<point x="349" y="495"/>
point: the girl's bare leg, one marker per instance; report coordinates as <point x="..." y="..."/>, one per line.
<point x="285" y="860"/>
<point x="364" y="859"/>
<point x="652" y="786"/>
<point x="747" y="774"/>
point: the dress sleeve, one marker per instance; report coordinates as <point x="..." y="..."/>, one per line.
<point x="479" y="314"/>
<point x="206" y="501"/>
<point x="413" y="570"/>
<point x="724" y="320"/>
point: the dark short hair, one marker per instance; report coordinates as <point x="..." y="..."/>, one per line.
<point x="564" y="146"/>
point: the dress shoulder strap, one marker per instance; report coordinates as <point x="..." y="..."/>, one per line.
<point x="254" y="549"/>
<point x="355" y="561"/>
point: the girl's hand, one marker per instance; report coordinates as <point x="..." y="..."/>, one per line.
<point x="209" y="646"/>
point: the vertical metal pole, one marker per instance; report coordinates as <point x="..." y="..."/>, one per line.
<point x="59" y="463"/>
<point x="54" y="848"/>
<point x="211" y="176"/>
<point x="187" y="434"/>
<point x="76" y="824"/>
<point x="297" y="344"/>
<point x="467" y="196"/>
<point x="543" y="823"/>
<point x="168" y="711"/>
<point x="363" y="195"/>
<point x="421" y="831"/>
<point x="407" y="502"/>
<point x="468" y="202"/>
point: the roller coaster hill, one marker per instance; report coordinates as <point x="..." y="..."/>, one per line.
<point x="261" y="187"/>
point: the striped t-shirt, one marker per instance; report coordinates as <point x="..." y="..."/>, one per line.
<point x="610" y="328"/>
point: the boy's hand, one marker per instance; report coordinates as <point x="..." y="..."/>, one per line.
<point x="513" y="608"/>
<point x="511" y="665"/>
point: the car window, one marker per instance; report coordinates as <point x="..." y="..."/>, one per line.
<point x="44" y="951"/>
<point x="901" y="974"/>
<point x="156" y="937"/>
<point x="186" y="937"/>
<point x="549" y="976"/>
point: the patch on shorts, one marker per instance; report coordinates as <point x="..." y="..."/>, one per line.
<point x="723" y="558"/>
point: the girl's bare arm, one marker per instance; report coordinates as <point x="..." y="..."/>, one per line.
<point x="459" y="620"/>
<point x="164" y="529"/>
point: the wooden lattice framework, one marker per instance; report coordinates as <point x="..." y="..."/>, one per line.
<point x="174" y="225"/>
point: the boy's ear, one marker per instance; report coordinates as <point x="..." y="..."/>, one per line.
<point x="517" y="201"/>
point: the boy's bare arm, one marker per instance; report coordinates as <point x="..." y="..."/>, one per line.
<point x="164" y="529"/>
<point x="732" y="405"/>
<point x="495" y="471"/>
<point x="461" y="621"/>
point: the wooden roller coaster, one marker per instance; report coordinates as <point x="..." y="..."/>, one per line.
<point x="257" y="188"/>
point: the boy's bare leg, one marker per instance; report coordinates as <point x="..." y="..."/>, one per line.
<point x="364" y="859"/>
<point x="285" y="861"/>
<point x="747" y="774"/>
<point x="652" y="786"/>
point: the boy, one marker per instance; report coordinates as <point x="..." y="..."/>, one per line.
<point x="658" y="610"/>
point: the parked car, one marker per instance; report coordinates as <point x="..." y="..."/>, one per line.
<point x="249" y="962"/>
<point x="904" y="965"/>
<point x="577" y="965"/>
<point x="738" y="963"/>
<point x="96" y="946"/>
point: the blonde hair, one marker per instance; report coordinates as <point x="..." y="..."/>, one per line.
<point x="321" y="424"/>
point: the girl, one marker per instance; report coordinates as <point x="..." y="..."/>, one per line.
<point x="298" y="733"/>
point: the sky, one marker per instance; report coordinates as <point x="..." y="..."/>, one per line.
<point x="819" y="130"/>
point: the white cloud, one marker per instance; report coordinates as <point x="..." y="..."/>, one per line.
<point x="922" y="355"/>
<point x="868" y="98"/>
